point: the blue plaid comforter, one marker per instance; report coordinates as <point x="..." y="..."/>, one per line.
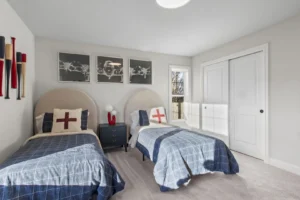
<point x="61" y="167"/>
<point x="178" y="154"/>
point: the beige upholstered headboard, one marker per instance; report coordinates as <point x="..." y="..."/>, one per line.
<point x="141" y="100"/>
<point x="64" y="98"/>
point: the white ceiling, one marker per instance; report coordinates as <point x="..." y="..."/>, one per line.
<point x="143" y="25"/>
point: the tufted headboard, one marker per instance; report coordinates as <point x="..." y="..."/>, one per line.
<point x="65" y="98"/>
<point x="141" y="100"/>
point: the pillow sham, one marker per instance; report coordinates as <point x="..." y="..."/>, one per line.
<point x="143" y="118"/>
<point x="66" y="120"/>
<point x="158" y="115"/>
<point x="48" y="121"/>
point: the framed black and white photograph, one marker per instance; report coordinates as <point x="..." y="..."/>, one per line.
<point x="109" y="70"/>
<point x="74" y="67"/>
<point x="140" y="72"/>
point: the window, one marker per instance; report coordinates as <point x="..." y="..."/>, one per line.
<point x="177" y="95"/>
<point x="179" y="92"/>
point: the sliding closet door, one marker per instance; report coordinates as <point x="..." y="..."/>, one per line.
<point x="247" y="105"/>
<point x="216" y="83"/>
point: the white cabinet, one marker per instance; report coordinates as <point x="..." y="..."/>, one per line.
<point x="220" y="111"/>
<point x="192" y="114"/>
<point x="216" y="83"/>
<point x="208" y="124"/>
<point x="207" y="110"/>
<point x="215" y="118"/>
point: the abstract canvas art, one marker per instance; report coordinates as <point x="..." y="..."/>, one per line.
<point x="109" y="69"/>
<point x="140" y="72"/>
<point x="74" y="67"/>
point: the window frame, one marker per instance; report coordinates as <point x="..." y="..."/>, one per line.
<point x="187" y="88"/>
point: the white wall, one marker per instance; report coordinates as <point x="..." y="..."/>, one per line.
<point x="103" y="93"/>
<point x="284" y="84"/>
<point x="16" y="116"/>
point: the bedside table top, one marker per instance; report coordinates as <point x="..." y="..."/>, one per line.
<point x="117" y="124"/>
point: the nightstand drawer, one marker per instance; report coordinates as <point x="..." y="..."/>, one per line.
<point x="113" y="130"/>
<point x="108" y="137"/>
<point x="113" y="142"/>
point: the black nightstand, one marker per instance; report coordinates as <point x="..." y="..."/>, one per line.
<point x="113" y="136"/>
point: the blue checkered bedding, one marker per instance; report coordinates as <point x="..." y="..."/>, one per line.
<point x="178" y="154"/>
<point x="62" y="167"/>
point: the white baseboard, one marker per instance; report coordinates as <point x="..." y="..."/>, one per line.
<point x="285" y="166"/>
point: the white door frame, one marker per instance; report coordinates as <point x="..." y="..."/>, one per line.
<point x="265" y="50"/>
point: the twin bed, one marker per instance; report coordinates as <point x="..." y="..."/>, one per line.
<point x="178" y="154"/>
<point x="73" y="165"/>
<point x="61" y="165"/>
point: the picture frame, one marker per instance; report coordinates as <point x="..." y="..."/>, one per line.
<point x="73" y="67"/>
<point x="109" y="69"/>
<point x="140" y="71"/>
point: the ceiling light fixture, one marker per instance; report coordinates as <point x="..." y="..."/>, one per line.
<point x="172" y="4"/>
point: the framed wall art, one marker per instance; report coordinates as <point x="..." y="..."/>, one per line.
<point x="73" y="67"/>
<point x="140" y="72"/>
<point x="109" y="69"/>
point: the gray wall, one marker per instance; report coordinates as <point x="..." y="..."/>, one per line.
<point x="16" y="116"/>
<point x="284" y="83"/>
<point x="103" y="93"/>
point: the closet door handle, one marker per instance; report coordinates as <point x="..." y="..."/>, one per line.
<point x="261" y="111"/>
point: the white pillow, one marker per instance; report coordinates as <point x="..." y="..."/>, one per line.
<point x="39" y="123"/>
<point x="66" y="120"/>
<point x="158" y="115"/>
<point x="135" y="120"/>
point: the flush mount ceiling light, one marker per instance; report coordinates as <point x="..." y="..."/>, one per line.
<point x="172" y="4"/>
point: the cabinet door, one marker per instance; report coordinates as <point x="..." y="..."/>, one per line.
<point x="207" y="117"/>
<point x="216" y="83"/>
<point x="215" y="118"/>
<point x="207" y="110"/>
<point x="221" y="119"/>
<point x="221" y="126"/>
<point x="221" y="111"/>
<point x="208" y="124"/>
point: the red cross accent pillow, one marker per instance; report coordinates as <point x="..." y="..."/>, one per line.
<point x="66" y="120"/>
<point x="158" y="115"/>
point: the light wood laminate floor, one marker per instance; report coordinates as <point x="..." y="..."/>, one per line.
<point x="256" y="180"/>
